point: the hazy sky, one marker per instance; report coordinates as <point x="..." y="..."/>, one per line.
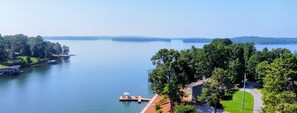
<point x="166" y="18"/>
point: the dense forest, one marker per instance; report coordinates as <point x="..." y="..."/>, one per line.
<point x="226" y="63"/>
<point x="21" y="50"/>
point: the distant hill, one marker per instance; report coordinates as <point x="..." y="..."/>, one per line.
<point x="140" y="39"/>
<point x="265" y="40"/>
<point x="196" y="40"/>
<point x="255" y="39"/>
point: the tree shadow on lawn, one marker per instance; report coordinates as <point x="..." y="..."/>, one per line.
<point x="230" y="97"/>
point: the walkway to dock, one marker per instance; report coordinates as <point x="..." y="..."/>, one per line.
<point x="149" y="104"/>
<point x="150" y="107"/>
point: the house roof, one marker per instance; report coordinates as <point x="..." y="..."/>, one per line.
<point x="200" y="82"/>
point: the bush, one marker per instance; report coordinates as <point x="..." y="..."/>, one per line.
<point x="157" y="107"/>
<point x="184" y="109"/>
<point x="163" y="100"/>
<point x="159" y="111"/>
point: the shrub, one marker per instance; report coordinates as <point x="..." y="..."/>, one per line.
<point x="159" y="111"/>
<point x="163" y="100"/>
<point x="184" y="109"/>
<point x="157" y="107"/>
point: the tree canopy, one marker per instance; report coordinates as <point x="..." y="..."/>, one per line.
<point x="12" y="46"/>
<point x="279" y="87"/>
<point x="226" y="63"/>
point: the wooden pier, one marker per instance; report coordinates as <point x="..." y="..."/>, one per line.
<point x="139" y="99"/>
<point x="62" y="55"/>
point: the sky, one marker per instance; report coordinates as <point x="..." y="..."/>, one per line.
<point x="158" y="18"/>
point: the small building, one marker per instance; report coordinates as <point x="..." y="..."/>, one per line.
<point x="195" y="89"/>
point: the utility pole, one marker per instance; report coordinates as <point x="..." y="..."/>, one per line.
<point x="244" y="79"/>
<point x="242" y="107"/>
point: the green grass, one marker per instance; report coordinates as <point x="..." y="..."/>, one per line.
<point x="33" y="59"/>
<point x="234" y="105"/>
<point x="2" y="66"/>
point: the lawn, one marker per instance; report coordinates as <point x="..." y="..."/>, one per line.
<point x="234" y="105"/>
<point x="33" y="59"/>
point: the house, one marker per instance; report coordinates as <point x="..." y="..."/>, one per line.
<point x="195" y="89"/>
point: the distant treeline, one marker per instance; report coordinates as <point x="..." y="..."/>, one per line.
<point x="265" y="40"/>
<point x="254" y="39"/>
<point x="13" y="46"/>
<point x="77" y="38"/>
<point x="197" y="40"/>
<point x="113" y="38"/>
<point x="141" y="39"/>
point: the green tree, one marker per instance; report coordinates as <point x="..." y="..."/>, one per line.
<point x="235" y="71"/>
<point x="65" y="50"/>
<point x="236" y="62"/>
<point x="57" y="48"/>
<point x="219" y="86"/>
<point x="261" y="71"/>
<point x="279" y="75"/>
<point x="267" y="55"/>
<point x="168" y="78"/>
<point x="251" y="65"/>
<point x="283" y="102"/>
<point x="185" y="109"/>
<point x="38" y="47"/>
<point x="249" y="49"/>
<point x="221" y="41"/>
<point x="279" y="88"/>
<point x="28" y="59"/>
<point x="2" y="49"/>
<point x="216" y="55"/>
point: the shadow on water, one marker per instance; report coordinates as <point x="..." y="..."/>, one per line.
<point x="126" y="103"/>
<point x="129" y="103"/>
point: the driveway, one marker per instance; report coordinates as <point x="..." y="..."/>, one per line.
<point x="208" y="109"/>
<point x="258" y="102"/>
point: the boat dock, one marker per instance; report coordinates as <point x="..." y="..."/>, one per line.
<point x="139" y="99"/>
<point x="12" y="70"/>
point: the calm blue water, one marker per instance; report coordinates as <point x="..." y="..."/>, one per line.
<point x="90" y="82"/>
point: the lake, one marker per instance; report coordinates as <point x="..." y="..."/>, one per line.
<point x="90" y="82"/>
